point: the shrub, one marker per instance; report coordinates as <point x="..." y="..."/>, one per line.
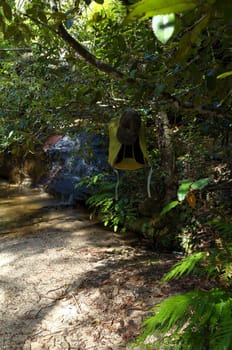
<point x="117" y="215"/>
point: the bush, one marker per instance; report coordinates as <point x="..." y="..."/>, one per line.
<point x="118" y="215"/>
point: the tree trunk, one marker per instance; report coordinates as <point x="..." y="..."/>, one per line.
<point x="165" y="145"/>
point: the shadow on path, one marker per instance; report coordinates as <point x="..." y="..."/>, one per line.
<point x="66" y="283"/>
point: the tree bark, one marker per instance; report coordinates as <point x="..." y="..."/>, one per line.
<point x="165" y="145"/>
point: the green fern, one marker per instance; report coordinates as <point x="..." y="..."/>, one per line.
<point x="168" y="313"/>
<point x="195" y="320"/>
<point x="114" y="214"/>
<point x="185" y="266"/>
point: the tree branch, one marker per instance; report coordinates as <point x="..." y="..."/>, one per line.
<point x="89" y="57"/>
<point x="23" y="49"/>
<point x="81" y="50"/>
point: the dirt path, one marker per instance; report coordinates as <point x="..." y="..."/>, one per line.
<point x="66" y="283"/>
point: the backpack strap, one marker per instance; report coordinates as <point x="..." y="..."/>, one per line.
<point x="117" y="184"/>
<point x="149" y="182"/>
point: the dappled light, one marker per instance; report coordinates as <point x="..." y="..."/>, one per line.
<point x="68" y="273"/>
<point x="115" y="175"/>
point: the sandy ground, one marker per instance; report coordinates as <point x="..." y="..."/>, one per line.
<point x="66" y="283"/>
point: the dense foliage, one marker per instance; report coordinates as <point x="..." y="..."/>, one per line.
<point x="75" y="64"/>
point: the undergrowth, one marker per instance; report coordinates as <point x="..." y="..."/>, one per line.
<point x="200" y="319"/>
<point x="116" y="214"/>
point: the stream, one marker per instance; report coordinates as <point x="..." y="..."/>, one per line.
<point x="20" y="208"/>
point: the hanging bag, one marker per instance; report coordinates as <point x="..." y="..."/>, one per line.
<point x="127" y="146"/>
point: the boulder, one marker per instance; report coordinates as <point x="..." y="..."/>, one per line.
<point x="71" y="159"/>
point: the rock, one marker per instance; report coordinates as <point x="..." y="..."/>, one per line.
<point x="71" y="159"/>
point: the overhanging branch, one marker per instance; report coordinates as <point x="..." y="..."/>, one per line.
<point x="82" y="51"/>
<point x="89" y="57"/>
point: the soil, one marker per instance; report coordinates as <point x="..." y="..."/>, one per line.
<point x="67" y="283"/>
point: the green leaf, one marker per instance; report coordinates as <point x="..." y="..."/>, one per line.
<point x="168" y="207"/>
<point x="163" y="27"/>
<point x="184" y="189"/>
<point x="199" y="184"/>
<point x="224" y="75"/>
<point x="11" y="133"/>
<point x="149" y="8"/>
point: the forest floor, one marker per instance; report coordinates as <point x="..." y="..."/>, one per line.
<point x="67" y="283"/>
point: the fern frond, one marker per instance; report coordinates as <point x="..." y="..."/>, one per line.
<point x="222" y="340"/>
<point x="221" y="326"/>
<point x="171" y="312"/>
<point x="185" y="266"/>
<point x="195" y="321"/>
